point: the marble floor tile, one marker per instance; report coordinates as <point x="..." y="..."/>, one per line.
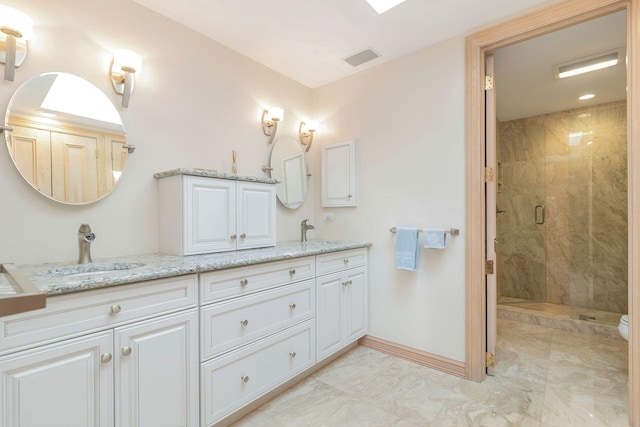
<point x="544" y="378"/>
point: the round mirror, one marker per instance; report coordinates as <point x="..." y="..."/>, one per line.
<point x="68" y="140"/>
<point x="289" y="166"/>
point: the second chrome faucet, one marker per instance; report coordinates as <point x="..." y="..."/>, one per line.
<point x="303" y="230"/>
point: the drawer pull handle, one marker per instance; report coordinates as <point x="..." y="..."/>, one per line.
<point x="243" y="236"/>
<point x="244" y="378"/>
<point x="347" y="283"/>
<point x="125" y="351"/>
<point x="233" y="237"/>
<point x="292" y="354"/>
<point x="292" y="306"/>
<point x="115" y="309"/>
<point x="106" y="357"/>
<point x="292" y="271"/>
<point x="244" y="322"/>
<point x="244" y="282"/>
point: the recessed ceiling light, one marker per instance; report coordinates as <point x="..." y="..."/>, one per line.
<point x="586" y="96"/>
<point x="381" y="6"/>
<point x="588" y="64"/>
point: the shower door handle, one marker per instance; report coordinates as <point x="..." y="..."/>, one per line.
<point x="538" y="213"/>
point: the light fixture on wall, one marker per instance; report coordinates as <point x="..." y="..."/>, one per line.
<point x="270" y="118"/>
<point x="15" y="29"/>
<point x="306" y="131"/>
<point x="125" y="65"/>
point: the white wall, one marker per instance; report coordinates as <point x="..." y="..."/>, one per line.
<point x="408" y="118"/>
<point x="194" y="102"/>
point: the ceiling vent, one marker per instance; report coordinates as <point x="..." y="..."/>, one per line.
<point x="361" y="57"/>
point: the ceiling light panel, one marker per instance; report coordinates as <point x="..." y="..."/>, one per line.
<point x="381" y="6"/>
<point x="588" y="64"/>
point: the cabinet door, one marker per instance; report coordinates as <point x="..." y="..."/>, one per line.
<point x="339" y="174"/>
<point x="31" y="152"/>
<point x="63" y="384"/>
<point x="76" y="181"/>
<point x="355" y="304"/>
<point x="157" y="372"/>
<point x="329" y="316"/>
<point x="256" y="215"/>
<point x="210" y="215"/>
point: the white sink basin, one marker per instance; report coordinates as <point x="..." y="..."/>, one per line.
<point x="92" y="268"/>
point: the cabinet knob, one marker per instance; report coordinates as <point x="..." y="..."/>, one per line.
<point x="349" y="282"/>
<point x="292" y="306"/>
<point x="106" y="357"/>
<point x="244" y="282"/>
<point x="292" y="271"/>
<point x="346" y="260"/>
<point x="244" y="322"/>
<point x="243" y="236"/>
<point x="344" y="283"/>
<point x="115" y="309"/>
<point x="233" y="237"/>
<point x="292" y="354"/>
<point x="126" y="351"/>
<point x="349" y="196"/>
<point x="244" y="378"/>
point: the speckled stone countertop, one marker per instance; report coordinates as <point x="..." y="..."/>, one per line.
<point x="213" y="174"/>
<point x="61" y="278"/>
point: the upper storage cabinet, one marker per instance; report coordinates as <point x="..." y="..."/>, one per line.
<point x="339" y="174"/>
<point x="201" y="214"/>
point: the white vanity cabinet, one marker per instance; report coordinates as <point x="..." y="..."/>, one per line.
<point x="69" y="384"/>
<point x="339" y="174"/>
<point x="200" y="215"/>
<point x="341" y="286"/>
<point x="257" y="331"/>
<point x="119" y="356"/>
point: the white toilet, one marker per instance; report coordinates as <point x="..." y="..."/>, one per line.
<point x="623" y="327"/>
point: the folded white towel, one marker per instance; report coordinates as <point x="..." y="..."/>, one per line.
<point x="434" y="238"/>
<point x="406" y="248"/>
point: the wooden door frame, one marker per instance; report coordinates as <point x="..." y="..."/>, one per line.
<point x="567" y="13"/>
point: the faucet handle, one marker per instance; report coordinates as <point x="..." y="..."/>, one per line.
<point x="84" y="228"/>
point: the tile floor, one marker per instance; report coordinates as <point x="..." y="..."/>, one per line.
<point x="545" y="377"/>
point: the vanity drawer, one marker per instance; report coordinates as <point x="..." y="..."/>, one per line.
<point x="340" y="261"/>
<point x="88" y="311"/>
<point x="237" y="378"/>
<point x="232" y="323"/>
<point x="220" y="285"/>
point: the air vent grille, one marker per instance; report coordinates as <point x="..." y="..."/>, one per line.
<point x="361" y="57"/>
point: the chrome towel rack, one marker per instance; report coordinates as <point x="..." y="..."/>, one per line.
<point x="451" y="231"/>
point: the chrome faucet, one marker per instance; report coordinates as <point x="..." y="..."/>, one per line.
<point x="303" y="230"/>
<point x="85" y="237"/>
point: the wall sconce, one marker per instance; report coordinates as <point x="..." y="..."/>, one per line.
<point x="125" y="65"/>
<point x="270" y="118"/>
<point x="15" y="29"/>
<point x="306" y="131"/>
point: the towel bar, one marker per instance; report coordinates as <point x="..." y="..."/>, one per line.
<point x="452" y="231"/>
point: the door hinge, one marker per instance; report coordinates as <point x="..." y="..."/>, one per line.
<point x="488" y="175"/>
<point x="491" y="360"/>
<point x="488" y="82"/>
<point x="488" y="266"/>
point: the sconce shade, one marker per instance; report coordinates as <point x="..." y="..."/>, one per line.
<point x="312" y="125"/>
<point x="127" y="61"/>
<point x="275" y="114"/>
<point x="15" y="29"/>
<point x="15" y="23"/>
<point x="125" y="64"/>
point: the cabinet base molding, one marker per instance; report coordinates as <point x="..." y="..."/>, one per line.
<point x="245" y="410"/>
<point x="430" y="360"/>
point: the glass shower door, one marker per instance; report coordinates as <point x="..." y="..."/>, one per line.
<point x="521" y="202"/>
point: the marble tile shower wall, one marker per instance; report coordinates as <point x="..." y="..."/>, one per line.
<point x="575" y="164"/>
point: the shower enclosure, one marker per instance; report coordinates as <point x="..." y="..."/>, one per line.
<point x="562" y="213"/>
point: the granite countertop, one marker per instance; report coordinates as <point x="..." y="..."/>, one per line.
<point x="210" y="173"/>
<point x="66" y="277"/>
